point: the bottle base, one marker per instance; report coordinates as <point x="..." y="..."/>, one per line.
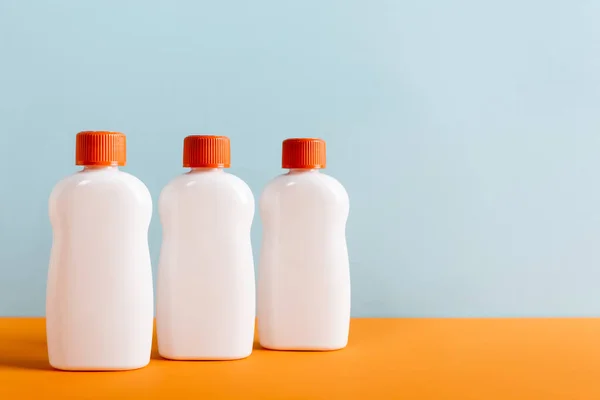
<point x="224" y="357"/>
<point x="301" y="347"/>
<point x="98" y="368"/>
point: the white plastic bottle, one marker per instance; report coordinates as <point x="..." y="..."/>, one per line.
<point x="304" y="277"/>
<point x="99" y="305"/>
<point x="206" y="288"/>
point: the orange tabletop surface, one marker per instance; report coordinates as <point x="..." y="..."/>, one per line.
<point x="385" y="359"/>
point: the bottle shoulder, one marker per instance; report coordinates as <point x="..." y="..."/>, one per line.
<point x="98" y="182"/>
<point x="317" y="183"/>
<point x="207" y="184"/>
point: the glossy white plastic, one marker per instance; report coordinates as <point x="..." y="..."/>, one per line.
<point x="206" y="286"/>
<point x="99" y="305"/>
<point x="303" y="277"/>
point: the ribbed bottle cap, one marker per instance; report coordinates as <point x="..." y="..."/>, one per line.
<point x="100" y="148"/>
<point x="206" y="151"/>
<point x="303" y="153"/>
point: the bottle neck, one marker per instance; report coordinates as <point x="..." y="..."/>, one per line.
<point x="196" y="170"/>
<point x="303" y="171"/>
<point x="100" y="168"/>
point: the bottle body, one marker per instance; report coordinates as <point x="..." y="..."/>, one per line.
<point x="206" y="287"/>
<point x="99" y="305"/>
<point x="304" y="276"/>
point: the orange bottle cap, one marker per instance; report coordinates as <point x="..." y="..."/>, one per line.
<point x="206" y="151"/>
<point x="100" y="148"/>
<point x="303" y="153"/>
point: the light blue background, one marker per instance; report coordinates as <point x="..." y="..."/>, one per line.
<point x="467" y="133"/>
